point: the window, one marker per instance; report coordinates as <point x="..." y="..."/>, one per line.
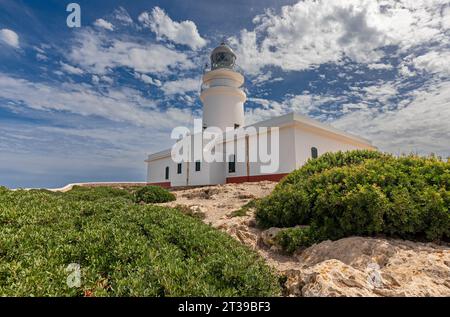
<point x="167" y="172"/>
<point x="232" y="164"/>
<point x="314" y="153"/>
<point x="179" y="168"/>
<point x="197" y="166"/>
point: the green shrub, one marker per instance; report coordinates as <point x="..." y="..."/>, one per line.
<point x="329" y="160"/>
<point x="363" y="193"/>
<point x="153" y="194"/>
<point x="95" y="193"/>
<point x="283" y="208"/>
<point x="124" y="249"/>
<point x="291" y="239"/>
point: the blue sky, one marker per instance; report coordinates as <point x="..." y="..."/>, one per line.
<point x="89" y="103"/>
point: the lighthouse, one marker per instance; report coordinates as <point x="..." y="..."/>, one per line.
<point x="222" y="97"/>
<point x="291" y="139"/>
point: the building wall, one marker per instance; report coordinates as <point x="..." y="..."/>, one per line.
<point x="295" y="146"/>
<point x="286" y="156"/>
<point x="306" y="138"/>
<point x="179" y="179"/>
<point x="201" y="177"/>
<point x="156" y="170"/>
<point x="217" y="175"/>
<point x="210" y="173"/>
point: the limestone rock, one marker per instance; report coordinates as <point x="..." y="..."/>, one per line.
<point x="251" y="223"/>
<point x="358" y="266"/>
<point x="240" y="232"/>
<point x="198" y="208"/>
<point x="336" y="279"/>
<point x="268" y="236"/>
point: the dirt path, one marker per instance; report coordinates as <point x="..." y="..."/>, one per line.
<point x="217" y="203"/>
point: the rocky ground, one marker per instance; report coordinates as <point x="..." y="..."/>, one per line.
<point x="354" y="266"/>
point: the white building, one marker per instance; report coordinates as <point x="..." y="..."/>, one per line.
<point x="300" y="138"/>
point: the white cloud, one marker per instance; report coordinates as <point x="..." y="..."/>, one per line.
<point x="417" y="123"/>
<point x="262" y="78"/>
<point x="121" y="105"/>
<point x="405" y="71"/>
<point x="379" y="66"/>
<point x="380" y="93"/>
<point x="41" y="54"/>
<point x="311" y="33"/>
<point x="39" y="49"/>
<point x="304" y="103"/>
<point x="97" y="53"/>
<point x="420" y="126"/>
<point x="9" y="37"/>
<point x="104" y="24"/>
<point x="181" y="86"/>
<point x="434" y="62"/>
<point x="265" y="78"/>
<point x="164" y="27"/>
<point x="148" y="80"/>
<point x="71" y="69"/>
<point x="41" y="57"/>
<point x="122" y="15"/>
<point x="446" y="18"/>
<point x="95" y="79"/>
<point x="107" y="79"/>
<point x="351" y="107"/>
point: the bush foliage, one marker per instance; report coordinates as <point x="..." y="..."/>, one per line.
<point x="95" y="193"/>
<point x="243" y="211"/>
<point x="123" y="248"/>
<point x="153" y="194"/>
<point x="291" y="239"/>
<point x="362" y="193"/>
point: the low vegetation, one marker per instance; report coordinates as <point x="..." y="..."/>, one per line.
<point x="123" y="249"/>
<point x="81" y="193"/>
<point x="127" y="246"/>
<point x="360" y="193"/>
<point x="293" y="239"/>
<point x="243" y="211"/>
<point x="153" y="195"/>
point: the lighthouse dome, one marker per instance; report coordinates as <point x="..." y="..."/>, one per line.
<point x="222" y="57"/>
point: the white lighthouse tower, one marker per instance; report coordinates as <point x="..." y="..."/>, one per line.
<point x="222" y="96"/>
<point x="299" y="138"/>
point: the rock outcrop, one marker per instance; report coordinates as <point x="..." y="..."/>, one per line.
<point x="355" y="266"/>
<point x="358" y="266"/>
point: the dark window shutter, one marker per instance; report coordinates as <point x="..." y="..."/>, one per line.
<point x="232" y="164"/>
<point x="167" y="172"/>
